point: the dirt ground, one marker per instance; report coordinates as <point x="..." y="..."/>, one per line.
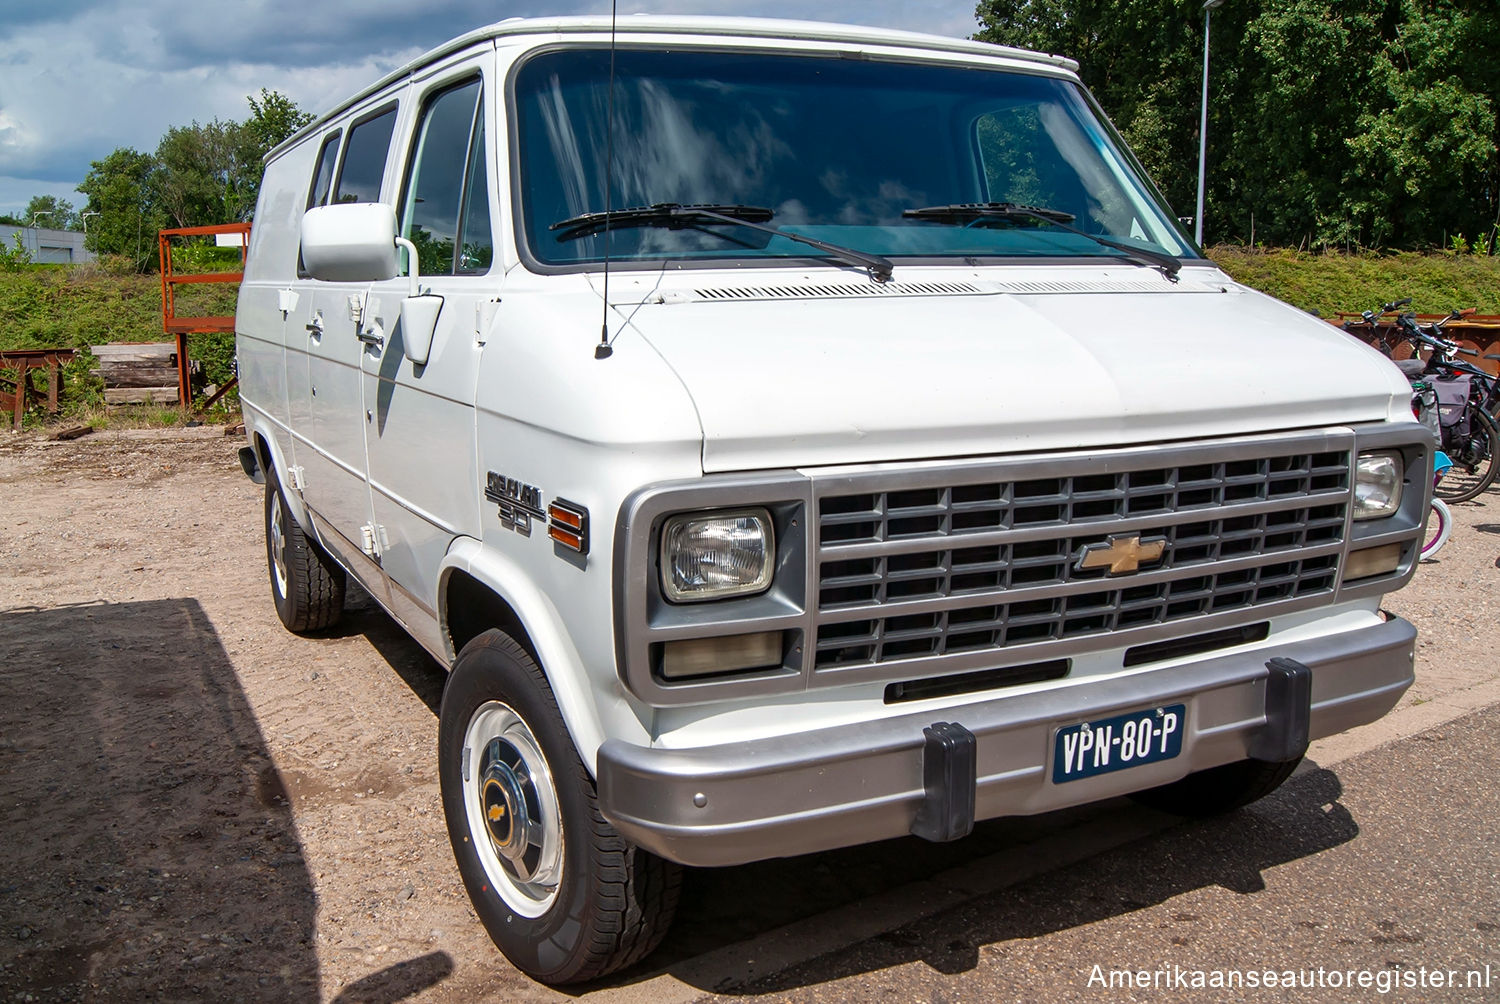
<point x="196" y="804"/>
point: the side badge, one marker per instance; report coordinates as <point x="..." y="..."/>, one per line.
<point x="519" y="502"/>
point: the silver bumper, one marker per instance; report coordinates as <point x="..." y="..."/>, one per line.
<point x="855" y="784"/>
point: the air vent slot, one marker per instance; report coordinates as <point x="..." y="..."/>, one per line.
<point x="839" y="291"/>
<point x="973" y="683"/>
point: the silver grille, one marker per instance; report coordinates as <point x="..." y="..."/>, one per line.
<point x="937" y="569"/>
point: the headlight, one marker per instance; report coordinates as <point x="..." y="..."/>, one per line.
<point x="709" y="556"/>
<point x="1377" y="484"/>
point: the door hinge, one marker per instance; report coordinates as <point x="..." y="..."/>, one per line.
<point x="295" y="479"/>
<point x="356" y="307"/>
<point x="373" y="540"/>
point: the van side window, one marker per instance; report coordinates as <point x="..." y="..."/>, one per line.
<point x="364" y="158"/>
<point x="445" y="208"/>
<point x="323" y="180"/>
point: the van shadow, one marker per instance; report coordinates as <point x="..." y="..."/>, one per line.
<point x="723" y="906"/>
<point x="150" y="850"/>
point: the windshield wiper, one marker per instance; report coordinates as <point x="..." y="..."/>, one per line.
<point x="676" y="216"/>
<point x="970" y="212"/>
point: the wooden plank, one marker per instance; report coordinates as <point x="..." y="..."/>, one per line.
<point x="133" y="350"/>
<point x="138" y="395"/>
<point x="153" y="376"/>
<point x="72" y="432"/>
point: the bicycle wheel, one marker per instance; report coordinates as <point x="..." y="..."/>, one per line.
<point x="1474" y="461"/>
<point x="1439" y="526"/>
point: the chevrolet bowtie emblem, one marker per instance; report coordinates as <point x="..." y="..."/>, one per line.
<point x="1121" y="554"/>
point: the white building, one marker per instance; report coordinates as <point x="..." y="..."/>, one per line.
<point x="48" y="246"/>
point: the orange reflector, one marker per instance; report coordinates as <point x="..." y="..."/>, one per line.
<point x="568" y="524"/>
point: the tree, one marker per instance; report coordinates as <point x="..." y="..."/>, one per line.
<point x="119" y="188"/>
<point x="273" y="118"/>
<point x="207" y="174"/>
<point x="55" y="213"/>
<point x="1330" y="121"/>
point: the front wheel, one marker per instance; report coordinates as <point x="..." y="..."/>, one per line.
<point x="1218" y="790"/>
<point x="561" y="893"/>
<point x="1475" y="460"/>
<point x="1439" y="526"/>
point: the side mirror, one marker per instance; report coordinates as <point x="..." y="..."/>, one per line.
<point x="350" y="242"/>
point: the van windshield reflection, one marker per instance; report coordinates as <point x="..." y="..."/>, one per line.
<point x="837" y="150"/>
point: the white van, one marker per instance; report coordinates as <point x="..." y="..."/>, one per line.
<point x="872" y="454"/>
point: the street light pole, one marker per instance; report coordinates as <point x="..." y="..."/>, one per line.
<point x="35" y="237"/>
<point x="1208" y="15"/>
<point x="85" y="217"/>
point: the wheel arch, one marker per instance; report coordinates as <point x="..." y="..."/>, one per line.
<point x="273" y="460"/>
<point x="479" y="590"/>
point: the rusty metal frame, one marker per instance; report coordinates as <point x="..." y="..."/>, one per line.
<point x="181" y="327"/>
<point x="22" y="362"/>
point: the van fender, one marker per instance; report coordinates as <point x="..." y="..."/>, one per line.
<point x="261" y="428"/>
<point x="560" y="660"/>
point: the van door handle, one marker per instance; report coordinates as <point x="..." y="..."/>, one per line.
<point x="371" y="336"/>
<point x="315" y="328"/>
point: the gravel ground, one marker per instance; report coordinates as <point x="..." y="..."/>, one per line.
<point x="197" y="804"/>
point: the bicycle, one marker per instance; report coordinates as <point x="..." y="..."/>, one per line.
<point x="1467" y="406"/>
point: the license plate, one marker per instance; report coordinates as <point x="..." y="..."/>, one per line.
<point x="1109" y="744"/>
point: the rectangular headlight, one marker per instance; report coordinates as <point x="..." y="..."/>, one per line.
<point x="708" y="556"/>
<point x="1377" y="484"/>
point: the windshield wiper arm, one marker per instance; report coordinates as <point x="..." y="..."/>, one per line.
<point x="968" y="212"/>
<point x="675" y="216"/>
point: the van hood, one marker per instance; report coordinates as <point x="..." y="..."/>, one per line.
<point x="799" y="373"/>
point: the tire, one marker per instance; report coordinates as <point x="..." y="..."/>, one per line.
<point x="561" y="893"/>
<point x="306" y="584"/>
<point x="1474" y="462"/>
<point x="1439" y="526"/>
<point x="1219" y="790"/>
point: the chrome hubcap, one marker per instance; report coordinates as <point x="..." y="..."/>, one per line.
<point x="512" y="809"/>
<point x="278" y="547"/>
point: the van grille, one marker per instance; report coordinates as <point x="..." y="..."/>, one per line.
<point x="961" y="567"/>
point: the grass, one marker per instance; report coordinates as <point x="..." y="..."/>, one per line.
<point x="74" y="307"/>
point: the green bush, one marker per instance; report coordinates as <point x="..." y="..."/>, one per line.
<point x="1331" y="283"/>
<point x="74" y="307"/>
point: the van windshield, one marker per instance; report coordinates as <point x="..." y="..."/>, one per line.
<point x="833" y="148"/>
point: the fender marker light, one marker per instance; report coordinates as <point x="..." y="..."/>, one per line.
<point x="568" y="524"/>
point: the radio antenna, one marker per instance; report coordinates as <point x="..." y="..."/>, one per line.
<point x="603" y="350"/>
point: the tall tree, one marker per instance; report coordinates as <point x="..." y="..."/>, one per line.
<point x="1330" y="121"/>
<point x="119" y="188"/>
<point x="50" y="211"/>
<point x="273" y="118"/>
<point x="207" y="174"/>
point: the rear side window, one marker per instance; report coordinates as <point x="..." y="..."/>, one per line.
<point x="445" y="207"/>
<point x="364" y="158"/>
<point x="323" y="180"/>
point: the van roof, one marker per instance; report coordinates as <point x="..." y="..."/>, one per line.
<point x="656" y="24"/>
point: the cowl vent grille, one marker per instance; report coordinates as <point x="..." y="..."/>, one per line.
<point x="836" y="291"/>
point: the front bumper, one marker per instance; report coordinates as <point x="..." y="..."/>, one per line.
<point x="836" y="787"/>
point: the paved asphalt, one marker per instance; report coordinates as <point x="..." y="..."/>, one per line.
<point x="1387" y="864"/>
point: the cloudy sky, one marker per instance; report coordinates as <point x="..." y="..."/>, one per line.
<point x="78" y="79"/>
